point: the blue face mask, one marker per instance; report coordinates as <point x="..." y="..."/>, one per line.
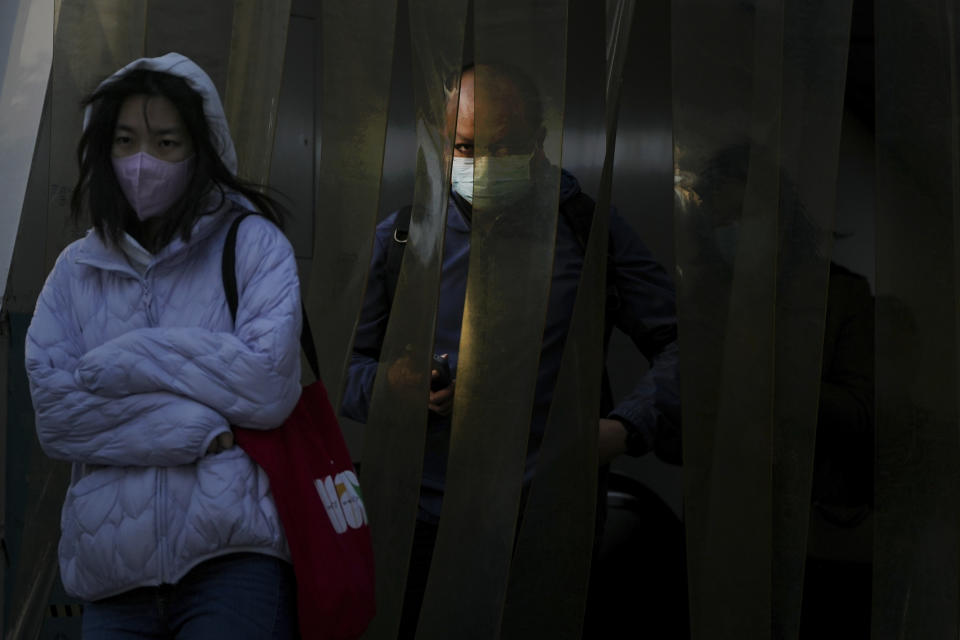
<point x="500" y="180"/>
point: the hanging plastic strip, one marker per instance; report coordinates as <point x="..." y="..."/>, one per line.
<point x="545" y="596"/>
<point x="357" y="60"/>
<point x="393" y="449"/>
<point x="727" y="65"/>
<point x="816" y="41"/>
<point x="519" y="89"/>
<point x="257" y="49"/>
<point x="199" y="30"/>
<point x="915" y="570"/>
<point x="23" y="86"/>
<point x="92" y="40"/>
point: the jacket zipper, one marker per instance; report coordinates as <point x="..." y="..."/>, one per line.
<point x="148" y="301"/>
<point x="161" y="527"/>
<point x="161" y="513"/>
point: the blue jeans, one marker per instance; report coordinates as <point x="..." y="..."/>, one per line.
<point x="234" y="597"/>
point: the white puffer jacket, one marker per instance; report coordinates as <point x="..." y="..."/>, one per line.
<point x="133" y="376"/>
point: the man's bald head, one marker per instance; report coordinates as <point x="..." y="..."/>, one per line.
<point x="510" y="117"/>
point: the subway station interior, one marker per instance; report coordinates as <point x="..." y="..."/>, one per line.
<point x="791" y="169"/>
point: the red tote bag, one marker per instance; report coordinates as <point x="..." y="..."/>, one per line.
<point x="317" y="493"/>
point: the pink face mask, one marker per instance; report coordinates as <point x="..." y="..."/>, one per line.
<point x="151" y="185"/>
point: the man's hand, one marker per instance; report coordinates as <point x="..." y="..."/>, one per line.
<point x="222" y="442"/>
<point x="611" y="441"/>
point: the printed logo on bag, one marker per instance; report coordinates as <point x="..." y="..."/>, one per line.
<point x="340" y="495"/>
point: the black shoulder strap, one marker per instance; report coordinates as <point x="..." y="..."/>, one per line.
<point x="229" y="274"/>
<point x="229" y="265"/>
<point x="401" y="230"/>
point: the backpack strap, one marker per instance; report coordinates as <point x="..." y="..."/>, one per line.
<point x="228" y="268"/>
<point x="401" y="232"/>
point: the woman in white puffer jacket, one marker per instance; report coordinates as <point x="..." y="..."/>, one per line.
<point x="137" y="371"/>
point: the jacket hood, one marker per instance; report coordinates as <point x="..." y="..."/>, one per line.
<point x="199" y="81"/>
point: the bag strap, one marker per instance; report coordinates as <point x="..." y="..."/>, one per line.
<point x="401" y="231"/>
<point x="229" y="270"/>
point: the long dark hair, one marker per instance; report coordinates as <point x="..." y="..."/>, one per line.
<point x="97" y="191"/>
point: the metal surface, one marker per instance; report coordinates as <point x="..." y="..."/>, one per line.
<point x="27" y="30"/>
<point x="547" y="597"/>
<point x="511" y="263"/>
<point x="727" y="90"/>
<point x="293" y="169"/>
<point x="393" y="449"/>
<point x="257" y="46"/>
<point x="915" y="586"/>
<point x="816" y="39"/>
<point x="357" y="53"/>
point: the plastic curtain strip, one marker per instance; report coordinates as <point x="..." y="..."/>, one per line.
<point x="357" y="58"/>
<point x="199" y="30"/>
<point x="816" y="39"/>
<point x="4" y="428"/>
<point x="727" y="88"/>
<point x="546" y="597"/>
<point x="511" y="259"/>
<point x="393" y="448"/>
<point x="23" y="85"/>
<point x="92" y="40"/>
<point x="257" y="49"/>
<point x="915" y="583"/>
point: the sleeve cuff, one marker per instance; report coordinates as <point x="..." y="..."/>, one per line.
<point x="639" y="439"/>
<point x="210" y="438"/>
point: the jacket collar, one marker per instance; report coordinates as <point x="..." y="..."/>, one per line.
<point x="95" y="252"/>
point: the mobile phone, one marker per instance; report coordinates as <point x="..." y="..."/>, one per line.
<point x="442" y="366"/>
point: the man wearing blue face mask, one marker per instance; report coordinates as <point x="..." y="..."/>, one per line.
<point x="502" y="175"/>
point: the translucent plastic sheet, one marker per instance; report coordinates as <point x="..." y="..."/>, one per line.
<point x="511" y="260"/>
<point x="546" y="597"/>
<point x="816" y="39"/>
<point x="257" y="48"/>
<point x="357" y="55"/>
<point x="24" y="74"/>
<point x="94" y="39"/>
<point x="583" y="126"/>
<point x="915" y="589"/>
<point x="199" y="30"/>
<point x="37" y="561"/>
<point x="393" y="448"/>
<point x="726" y="87"/>
<point x="4" y="357"/>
